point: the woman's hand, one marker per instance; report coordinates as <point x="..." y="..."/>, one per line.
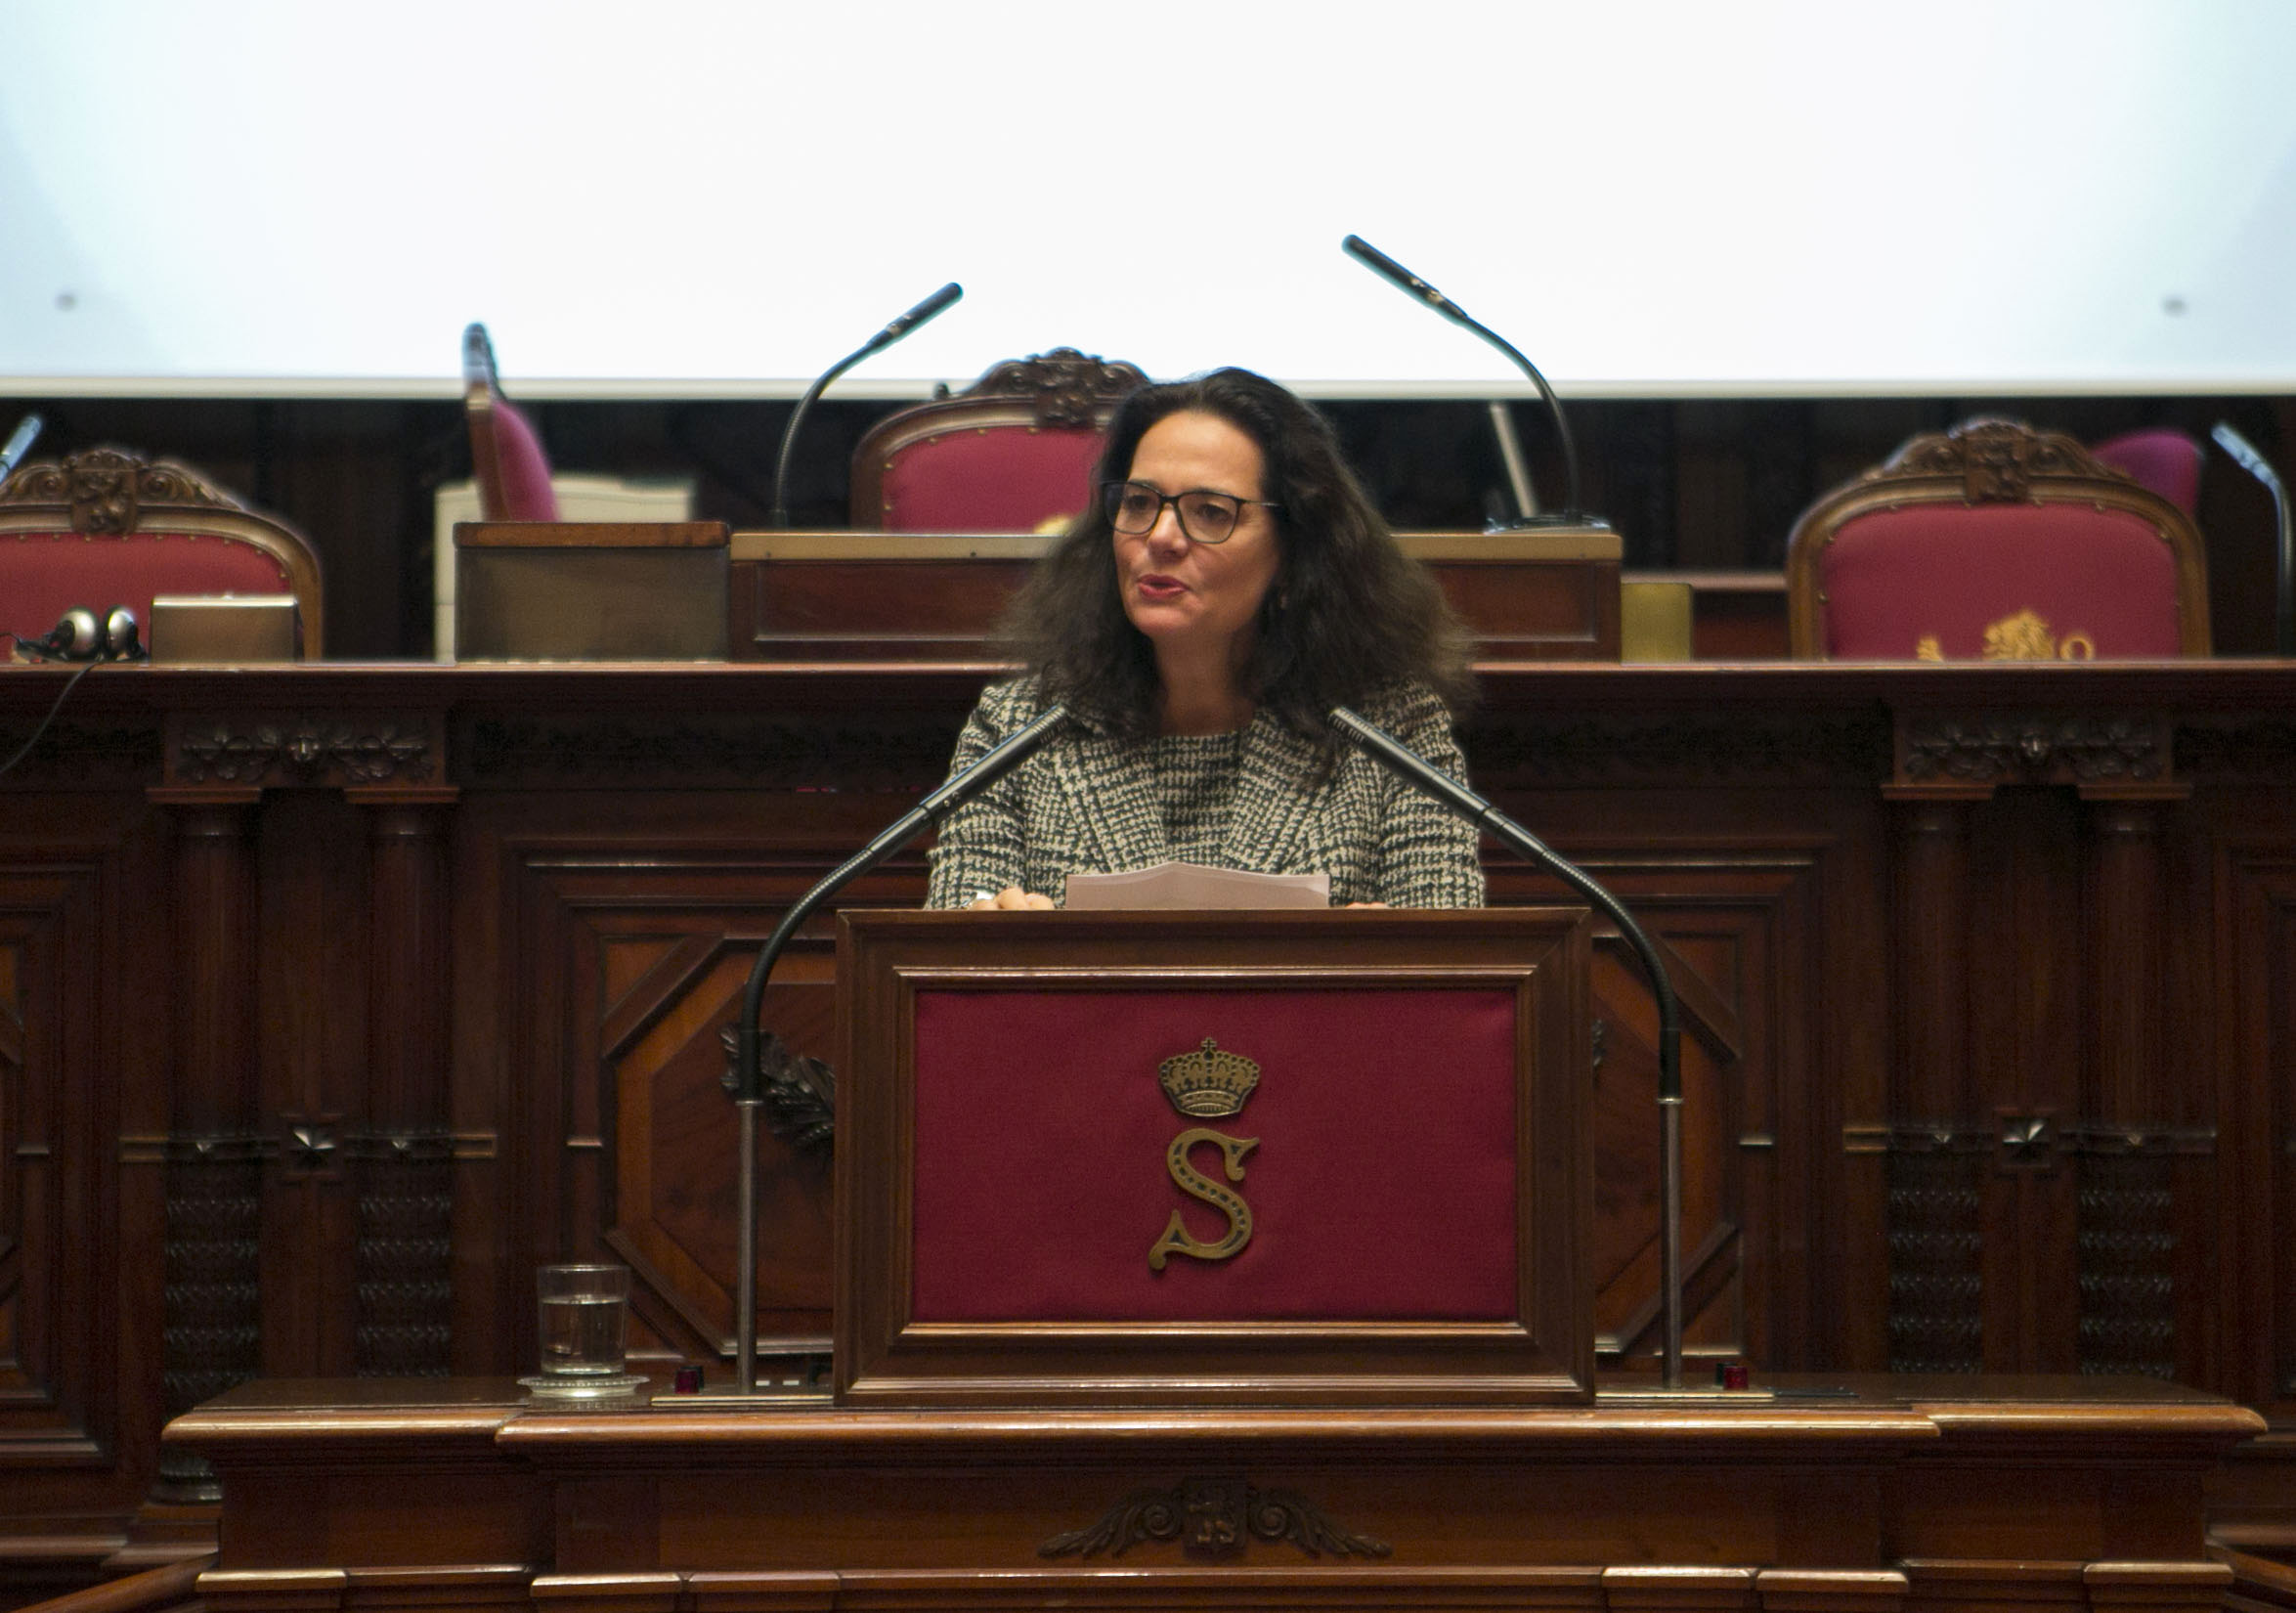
<point x="1011" y="897"/>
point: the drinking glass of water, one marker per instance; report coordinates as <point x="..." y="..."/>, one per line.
<point x="585" y="1319"/>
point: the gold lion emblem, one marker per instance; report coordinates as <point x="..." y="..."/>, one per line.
<point x="2024" y="636"/>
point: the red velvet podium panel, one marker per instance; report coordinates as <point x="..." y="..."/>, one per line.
<point x="1300" y="1158"/>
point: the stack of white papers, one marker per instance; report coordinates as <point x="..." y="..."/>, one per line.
<point x="1185" y="884"/>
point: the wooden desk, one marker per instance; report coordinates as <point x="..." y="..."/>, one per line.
<point x="335" y="998"/>
<point x="1532" y="596"/>
<point x="1865" y="1494"/>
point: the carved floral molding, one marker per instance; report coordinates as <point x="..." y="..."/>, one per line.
<point x="2032" y="748"/>
<point x="366" y="750"/>
<point x="1996" y="460"/>
<point x="1213" y="1517"/>
<point x="1066" y="388"/>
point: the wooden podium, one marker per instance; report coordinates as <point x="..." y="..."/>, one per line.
<point x="1035" y="1113"/>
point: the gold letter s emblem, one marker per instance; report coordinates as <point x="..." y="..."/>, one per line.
<point x="1176" y="1240"/>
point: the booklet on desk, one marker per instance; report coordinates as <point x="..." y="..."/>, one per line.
<point x="1185" y="884"/>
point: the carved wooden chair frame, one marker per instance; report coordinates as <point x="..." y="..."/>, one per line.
<point x="1062" y="389"/>
<point x="1982" y="462"/>
<point x="108" y="491"/>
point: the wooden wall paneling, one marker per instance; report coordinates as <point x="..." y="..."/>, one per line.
<point x="2189" y="1097"/>
<point x="2256" y="923"/>
<point x="627" y="935"/>
<point x="401" y="1148"/>
<point x="354" y="467"/>
<point x="2124" y="1152"/>
<point x="1832" y="1143"/>
<point x="1935" y="1158"/>
<point x="661" y="1061"/>
<point x="1780" y="844"/>
<point x="312" y="1058"/>
<point x="2025" y="954"/>
<point x="80" y="1371"/>
<point x="486" y="1189"/>
<point x="138" y="974"/>
<point x="2130" y="941"/>
<point x="1720" y="958"/>
<point x="215" y="1146"/>
<point x="1741" y="910"/>
<point x="50" y="1358"/>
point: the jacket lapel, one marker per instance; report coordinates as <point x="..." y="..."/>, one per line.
<point x="1273" y="797"/>
<point x="1112" y="798"/>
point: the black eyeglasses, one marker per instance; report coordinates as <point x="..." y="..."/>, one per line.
<point x="1135" y="507"/>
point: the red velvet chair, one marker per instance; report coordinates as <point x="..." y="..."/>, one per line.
<point x="2161" y="458"/>
<point x="1995" y="541"/>
<point x="507" y="458"/>
<point x="106" y="528"/>
<point x="1013" y="453"/>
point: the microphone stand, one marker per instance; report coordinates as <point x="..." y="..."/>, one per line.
<point x="746" y="1079"/>
<point x="1570" y="515"/>
<point x="878" y="343"/>
<point x="1417" y="769"/>
<point x="2258" y="467"/>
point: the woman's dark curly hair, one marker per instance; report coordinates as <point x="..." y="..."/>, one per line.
<point x="1347" y="614"/>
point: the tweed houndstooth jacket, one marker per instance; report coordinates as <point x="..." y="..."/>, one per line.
<point x="1087" y="804"/>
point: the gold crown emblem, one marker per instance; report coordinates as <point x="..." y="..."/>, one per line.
<point x="1209" y="1082"/>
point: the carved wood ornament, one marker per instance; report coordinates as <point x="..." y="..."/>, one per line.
<point x="1213" y="1518"/>
<point x="1995" y="460"/>
<point x="379" y="750"/>
<point x="108" y="489"/>
<point x="1065" y="387"/>
<point x="2033" y="748"/>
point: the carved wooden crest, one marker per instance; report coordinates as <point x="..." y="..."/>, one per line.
<point x="1214" y="1517"/>
<point x="108" y="487"/>
<point x="1996" y="460"/>
<point x="1066" y="386"/>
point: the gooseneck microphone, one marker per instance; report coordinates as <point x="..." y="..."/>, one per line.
<point x="1398" y="758"/>
<point x="746" y="1078"/>
<point x="2244" y="453"/>
<point x="939" y="301"/>
<point x="1387" y="268"/>
<point x="20" y="443"/>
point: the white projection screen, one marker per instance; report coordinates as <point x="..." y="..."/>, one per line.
<point x="713" y="199"/>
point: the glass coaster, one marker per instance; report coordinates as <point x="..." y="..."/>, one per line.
<point x="550" y="1386"/>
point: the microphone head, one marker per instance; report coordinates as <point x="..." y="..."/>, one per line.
<point x="19" y="441"/>
<point x="939" y="300"/>
<point x="2248" y="457"/>
<point x="1386" y="268"/>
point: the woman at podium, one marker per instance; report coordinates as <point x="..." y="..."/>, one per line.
<point x="1228" y="585"/>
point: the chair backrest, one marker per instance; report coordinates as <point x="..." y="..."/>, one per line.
<point x="1995" y="541"/>
<point x="507" y="458"/>
<point x="1012" y="453"/>
<point x="2160" y="458"/>
<point x="106" y="528"/>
